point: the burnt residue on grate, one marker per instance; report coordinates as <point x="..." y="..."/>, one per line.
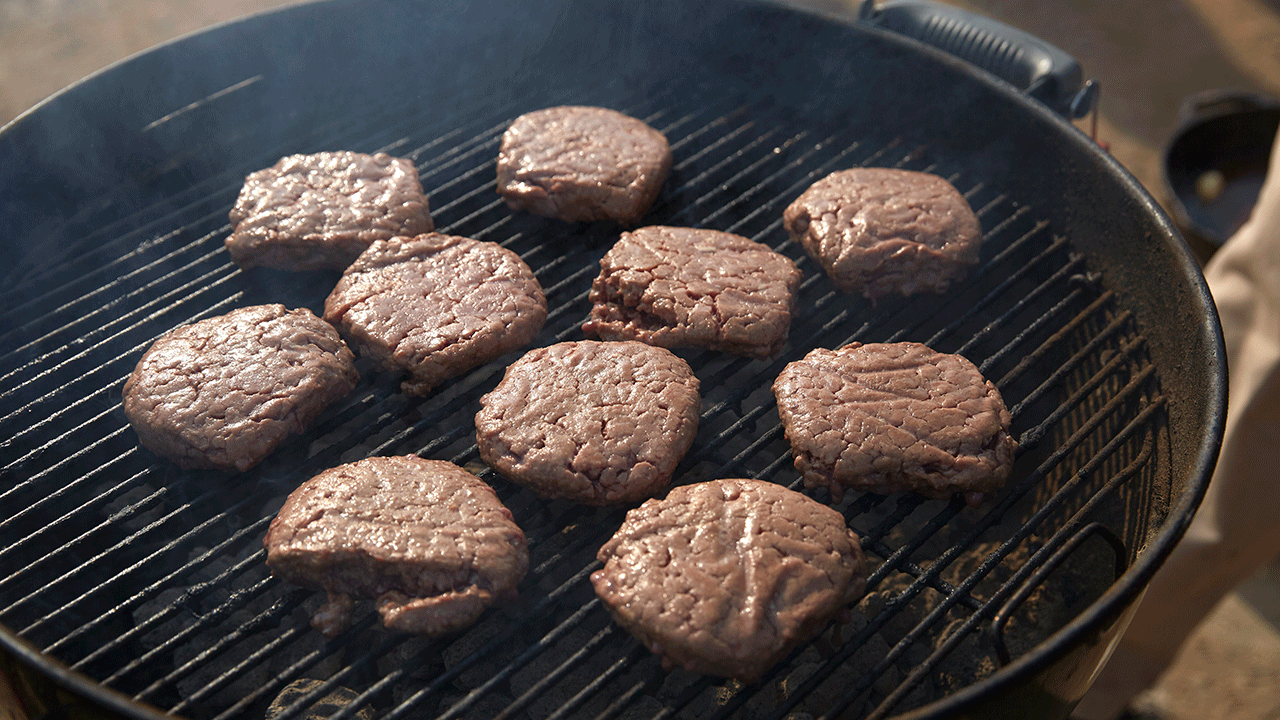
<point x="152" y="580"/>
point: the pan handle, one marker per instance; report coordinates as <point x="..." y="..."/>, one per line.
<point x="1039" y="69"/>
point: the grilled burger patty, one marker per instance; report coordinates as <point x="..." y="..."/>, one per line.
<point x="895" y="417"/>
<point x="429" y="541"/>
<point x="880" y="231"/>
<point x="309" y="212"/>
<point x="224" y="392"/>
<point x="686" y="287"/>
<point x="593" y="422"/>
<point x="435" y="306"/>
<point x="582" y="164"/>
<point x="728" y="576"/>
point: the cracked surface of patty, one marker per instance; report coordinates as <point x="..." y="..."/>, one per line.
<point x="224" y="392"/>
<point x="594" y="422"/>
<point x="880" y="231"/>
<point x="431" y="543"/>
<point x="309" y="212"/>
<point x="892" y="417"/>
<point x="687" y="287"/>
<point x="726" y="577"/>
<point x="435" y="306"/>
<point x="579" y="163"/>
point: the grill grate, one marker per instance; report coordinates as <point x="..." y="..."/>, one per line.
<point x="152" y="581"/>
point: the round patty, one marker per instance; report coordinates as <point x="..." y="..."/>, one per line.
<point x="886" y="418"/>
<point x="593" y="422"/>
<point x="224" y="392"/>
<point x="878" y="231"/>
<point x="582" y="164"/>
<point x="687" y="287"/>
<point x="309" y="212"/>
<point x="435" y="306"/>
<point x="727" y="577"/>
<point x="428" y="541"/>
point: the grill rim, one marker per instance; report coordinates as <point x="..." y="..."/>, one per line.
<point x="1107" y="610"/>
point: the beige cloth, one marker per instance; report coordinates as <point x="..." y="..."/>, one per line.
<point x="1237" y="528"/>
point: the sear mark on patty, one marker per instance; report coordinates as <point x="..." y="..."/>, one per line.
<point x="226" y="391"/>
<point x="431" y="543"/>
<point x="582" y="164"/>
<point x="895" y="417"/>
<point x="596" y="423"/>
<point x="686" y="287"/>
<point x="726" y="577"/>
<point x="435" y="306"/>
<point x="310" y="212"/>
<point x="881" y="231"/>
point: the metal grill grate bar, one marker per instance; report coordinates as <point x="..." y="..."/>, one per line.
<point x="596" y="685"/>
<point x="85" y="400"/>
<point x="272" y="615"/>
<point x="218" y="190"/>
<point x="90" y="318"/>
<point x="124" y="513"/>
<point x="987" y="609"/>
<point x="913" y="568"/>
<point x="169" y="611"/>
<point x="927" y="579"/>
<point x="99" y="368"/>
<point x="275" y="645"/>
<point x="40" y="532"/>
<point x="596" y="642"/>
<point x="104" y="587"/>
<point x="125" y="247"/>
<point x="521" y="660"/>
<point x="35" y="481"/>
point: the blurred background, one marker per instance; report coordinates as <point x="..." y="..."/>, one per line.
<point x="1147" y="55"/>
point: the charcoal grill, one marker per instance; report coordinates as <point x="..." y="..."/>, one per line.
<point x="142" y="589"/>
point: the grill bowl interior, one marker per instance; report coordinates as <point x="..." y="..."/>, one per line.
<point x="144" y="586"/>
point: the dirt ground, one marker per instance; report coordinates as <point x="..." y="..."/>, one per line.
<point x="1147" y="55"/>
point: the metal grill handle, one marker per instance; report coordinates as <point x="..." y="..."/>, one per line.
<point x="995" y="631"/>
<point x="1034" y="66"/>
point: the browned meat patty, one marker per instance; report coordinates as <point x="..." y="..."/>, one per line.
<point x="582" y="164"/>
<point x="224" y="392"/>
<point x="428" y="541"/>
<point x="895" y="417"/>
<point x="727" y="577"/>
<point x="309" y="212"/>
<point x="685" y="287"/>
<point x="435" y="306"/>
<point x="878" y="231"/>
<point x="597" y="423"/>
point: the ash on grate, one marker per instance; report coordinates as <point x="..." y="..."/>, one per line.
<point x="135" y="508"/>
<point x="336" y="700"/>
